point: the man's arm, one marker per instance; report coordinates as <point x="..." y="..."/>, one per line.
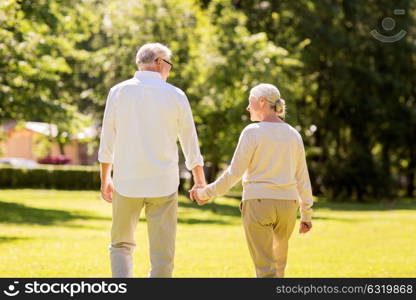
<point x="188" y="139"/>
<point x="199" y="181"/>
<point x="199" y="176"/>
<point x="106" y="150"/>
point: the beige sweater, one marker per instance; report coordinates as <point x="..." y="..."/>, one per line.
<point x="271" y="159"/>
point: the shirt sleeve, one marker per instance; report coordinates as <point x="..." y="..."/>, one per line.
<point x="242" y="156"/>
<point x="108" y="131"/>
<point x="188" y="137"/>
<point x="304" y="185"/>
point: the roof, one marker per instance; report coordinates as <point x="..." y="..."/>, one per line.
<point x="42" y="128"/>
<point x="52" y="130"/>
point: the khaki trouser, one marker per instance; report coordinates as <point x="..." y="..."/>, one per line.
<point x="268" y="225"/>
<point x="161" y="226"/>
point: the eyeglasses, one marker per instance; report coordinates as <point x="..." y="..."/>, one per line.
<point x="168" y="62"/>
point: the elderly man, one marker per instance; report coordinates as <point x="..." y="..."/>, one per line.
<point x="143" y="118"/>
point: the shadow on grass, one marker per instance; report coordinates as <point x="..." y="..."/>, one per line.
<point x="381" y="205"/>
<point x="403" y="204"/>
<point x="234" y="211"/>
<point x="194" y="221"/>
<point x="21" y="214"/>
<point x="216" y="208"/>
<point x="6" y="239"/>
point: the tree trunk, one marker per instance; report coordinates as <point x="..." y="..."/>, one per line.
<point x="411" y="169"/>
<point x="386" y="170"/>
<point x="61" y="148"/>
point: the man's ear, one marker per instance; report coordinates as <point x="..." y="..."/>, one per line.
<point x="157" y="61"/>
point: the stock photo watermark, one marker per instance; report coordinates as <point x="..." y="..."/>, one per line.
<point x="389" y="24"/>
<point x="11" y="289"/>
<point x="70" y="289"/>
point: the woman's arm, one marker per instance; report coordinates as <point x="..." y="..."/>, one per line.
<point x="239" y="164"/>
<point x="304" y="185"/>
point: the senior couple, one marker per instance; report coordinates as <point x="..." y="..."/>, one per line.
<point x="143" y="118"/>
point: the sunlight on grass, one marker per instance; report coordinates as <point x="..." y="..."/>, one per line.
<point x="48" y="233"/>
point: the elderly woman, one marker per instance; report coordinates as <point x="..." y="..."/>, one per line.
<point x="271" y="158"/>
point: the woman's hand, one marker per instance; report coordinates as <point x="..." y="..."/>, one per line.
<point x="202" y="202"/>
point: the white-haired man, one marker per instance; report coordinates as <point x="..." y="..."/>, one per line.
<point x="143" y="118"/>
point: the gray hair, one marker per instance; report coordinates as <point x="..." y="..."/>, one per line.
<point x="148" y="53"/>
<point x="272" y="95"/>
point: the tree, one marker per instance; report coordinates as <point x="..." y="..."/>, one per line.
<point x="353" y="87"/>
<point x="236" y="61"/>
<point x="42" y="53"/>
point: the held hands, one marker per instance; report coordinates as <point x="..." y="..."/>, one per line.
<point x="193" y="194"/>
<point x="305" y="227"/>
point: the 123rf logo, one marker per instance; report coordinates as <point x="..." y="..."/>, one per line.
<point x="388" y="25"/>
<point x="11" y="289"/>
<point x="70" y="289"/>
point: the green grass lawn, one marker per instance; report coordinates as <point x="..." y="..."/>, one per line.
<point x="49" y="233"/>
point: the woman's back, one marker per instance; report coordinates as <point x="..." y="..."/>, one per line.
<point x="276" y="149"/>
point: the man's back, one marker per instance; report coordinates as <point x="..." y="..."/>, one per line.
<point x="145" y="115"/>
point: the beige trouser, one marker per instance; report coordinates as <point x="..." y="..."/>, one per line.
<point x="268" y="225"/>
<point x="161" y="227"/>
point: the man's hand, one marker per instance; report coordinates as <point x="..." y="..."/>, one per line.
<point x="305" y="227"/>
<point x="198" y="200"/>
<point x="107" y="189"/>
<point x="199" y="180"/>
<point x="192" y="192"/>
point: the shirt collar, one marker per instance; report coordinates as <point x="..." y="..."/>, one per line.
<point x="147" y="74"/>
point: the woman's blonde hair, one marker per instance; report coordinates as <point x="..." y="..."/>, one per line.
<point x="272" y="94"/>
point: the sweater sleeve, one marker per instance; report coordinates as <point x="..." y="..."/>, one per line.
<point x="304" y="184"/>
<point x="239" y="164"/>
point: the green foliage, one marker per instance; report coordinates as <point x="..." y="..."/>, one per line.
<point x="356" y="90"/>
<point x="58" y="177"/>
<point x="234" y="61"/>
<point x="42" y="145"/>
<point x="41" y="56"/>
<point x="126" y="25"/>
<point x="51" y="177"/>
<point x="351" y="96"/>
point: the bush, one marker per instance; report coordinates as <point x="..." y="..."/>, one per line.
<point x="51" y="177"/>
<point x="59" y="177"/>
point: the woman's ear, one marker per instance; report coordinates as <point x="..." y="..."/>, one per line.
<point x="262" y="101"/>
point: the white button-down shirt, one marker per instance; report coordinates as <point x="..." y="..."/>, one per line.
<point x="143" y="118"/>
